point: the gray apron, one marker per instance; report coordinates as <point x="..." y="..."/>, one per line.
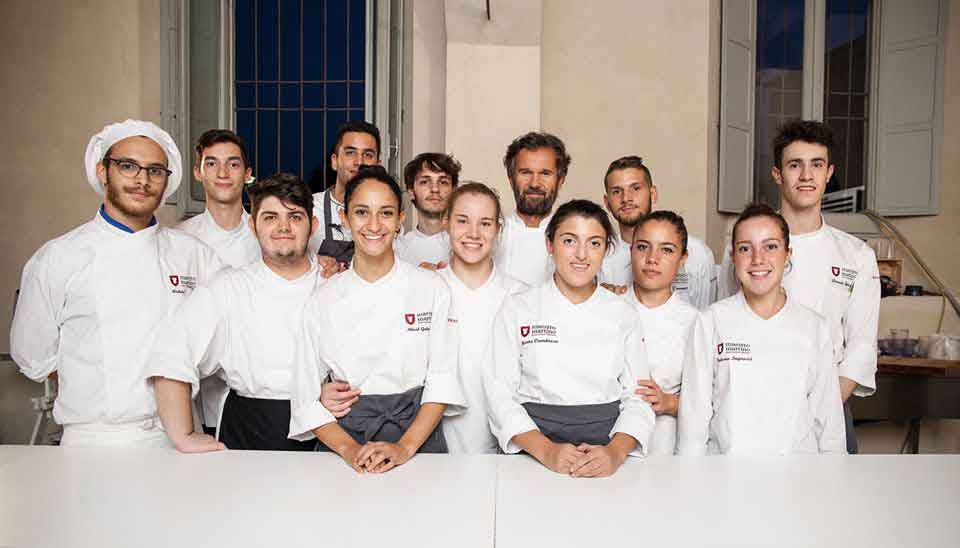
<point x="386" y="417"/>
<point x="341" y="250"/>
<point x="575" y="424"/>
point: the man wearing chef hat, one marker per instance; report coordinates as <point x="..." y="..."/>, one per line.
<point x="91" y="299"/>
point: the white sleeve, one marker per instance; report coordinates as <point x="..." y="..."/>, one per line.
<point x="696" y="388"/>
<point x="306" y="411"/>
<point x="442" y="384"/>
<point x="860" y="324"/>
<point x="824" y="399"/>
<point x="190" y="342"/>
<point x="701" y="274"/>
<point x="501" y="380"/>
<point x="636" y="418"/>
<point x="727" y="284"/>
<point x="35" y="332"/>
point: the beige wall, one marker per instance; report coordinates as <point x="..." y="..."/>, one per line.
<point x="484" y="115"/>
<point x="632" y="78"/>
<point x="73" y="67"/>
<point x="425" y="78"/>
<point x="492" y="84"/>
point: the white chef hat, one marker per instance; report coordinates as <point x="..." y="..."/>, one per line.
<point x="100" y="143"/>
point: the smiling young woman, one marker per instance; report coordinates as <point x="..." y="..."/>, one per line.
<point x="758" y="373"/>
<point x="472" y="221"/>
<point x="565" y="359"/>
<point x="384" y="328"/>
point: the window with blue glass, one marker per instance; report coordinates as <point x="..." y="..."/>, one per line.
<point x="299" y="74"/>
<point x="847" y="89"/>
<point x="779" y="84"/>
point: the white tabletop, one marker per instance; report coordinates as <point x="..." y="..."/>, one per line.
<point x="52" y="496"/>
<point x="869" y="501"/>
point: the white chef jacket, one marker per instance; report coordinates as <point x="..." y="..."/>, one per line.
<point x="695" y="281"/>
<point x="834" y="274"/>
<point x="90" y="303"/>
<point x="473" y="311"/>
<point x="665" y="331"/>
<point x="415" y="247"/>
<point x="341" y="231"/>
<point x="235" y="247"/>
<point x="385" y="337"/>
<point x="759" y="387"/>
<point x="548" y="350"/>
<point x="244" y="325"/>
<point x="522" y="252"/>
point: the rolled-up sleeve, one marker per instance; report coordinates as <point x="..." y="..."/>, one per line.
<point x="442" y="384"/>
<point x="637" y="418"/>
<point x="860" y="325"/>
<point x="501" y="380"/>
<point x="306" y="411"/>
<point x="190" y="342"/>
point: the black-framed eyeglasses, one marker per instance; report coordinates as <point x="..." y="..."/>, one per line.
<point x="131" y="170"/>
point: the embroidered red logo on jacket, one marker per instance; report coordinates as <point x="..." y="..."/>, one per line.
<point x="720" y="348"/>
<point x="409" y="318"/>
<point x="175" y="280"/>
<point x="835" y="270"/>
<point x="524" y="330"/>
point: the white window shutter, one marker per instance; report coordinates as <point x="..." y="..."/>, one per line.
<point x="737" y="75"/>
<point x="908" y="108"/>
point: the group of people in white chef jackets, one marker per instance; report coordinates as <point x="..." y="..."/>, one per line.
<point x="314" y="323"/>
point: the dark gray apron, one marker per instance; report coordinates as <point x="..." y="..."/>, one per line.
<point x="386" y="417"/>
<point x="575" y="424"/>
<point x="340" y="250"/>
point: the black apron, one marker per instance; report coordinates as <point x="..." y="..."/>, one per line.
<point x="258" y="424"/>
<point x="852" y="446"/>
<point x="575" y="424"/>
<point x="340" y="250"/>
<point x="386" y="417"/>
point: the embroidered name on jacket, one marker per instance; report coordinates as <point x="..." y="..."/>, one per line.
<point x="731" y="351"/>
<point x="419" y="321"/>
<point x="843" y="277"/>
<point x="538" y="333"/>
<point x="180" y="284"/>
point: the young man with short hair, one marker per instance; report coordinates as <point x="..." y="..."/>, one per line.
<point x="536" y="165"/>
<point x="244" y="325"/>
<point x="222" y="165"/>
<point x="91" y="300"/>
<point x="629" y="195"/>
<point x="831" y="272"/>
<point x="429" y="178"/>
<point x="357" y="144"/>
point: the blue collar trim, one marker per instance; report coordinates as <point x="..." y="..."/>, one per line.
<point x="117" y="224"/>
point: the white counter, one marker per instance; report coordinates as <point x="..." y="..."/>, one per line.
<point x="51" y="497"/>
<point x="848" y="501"/>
